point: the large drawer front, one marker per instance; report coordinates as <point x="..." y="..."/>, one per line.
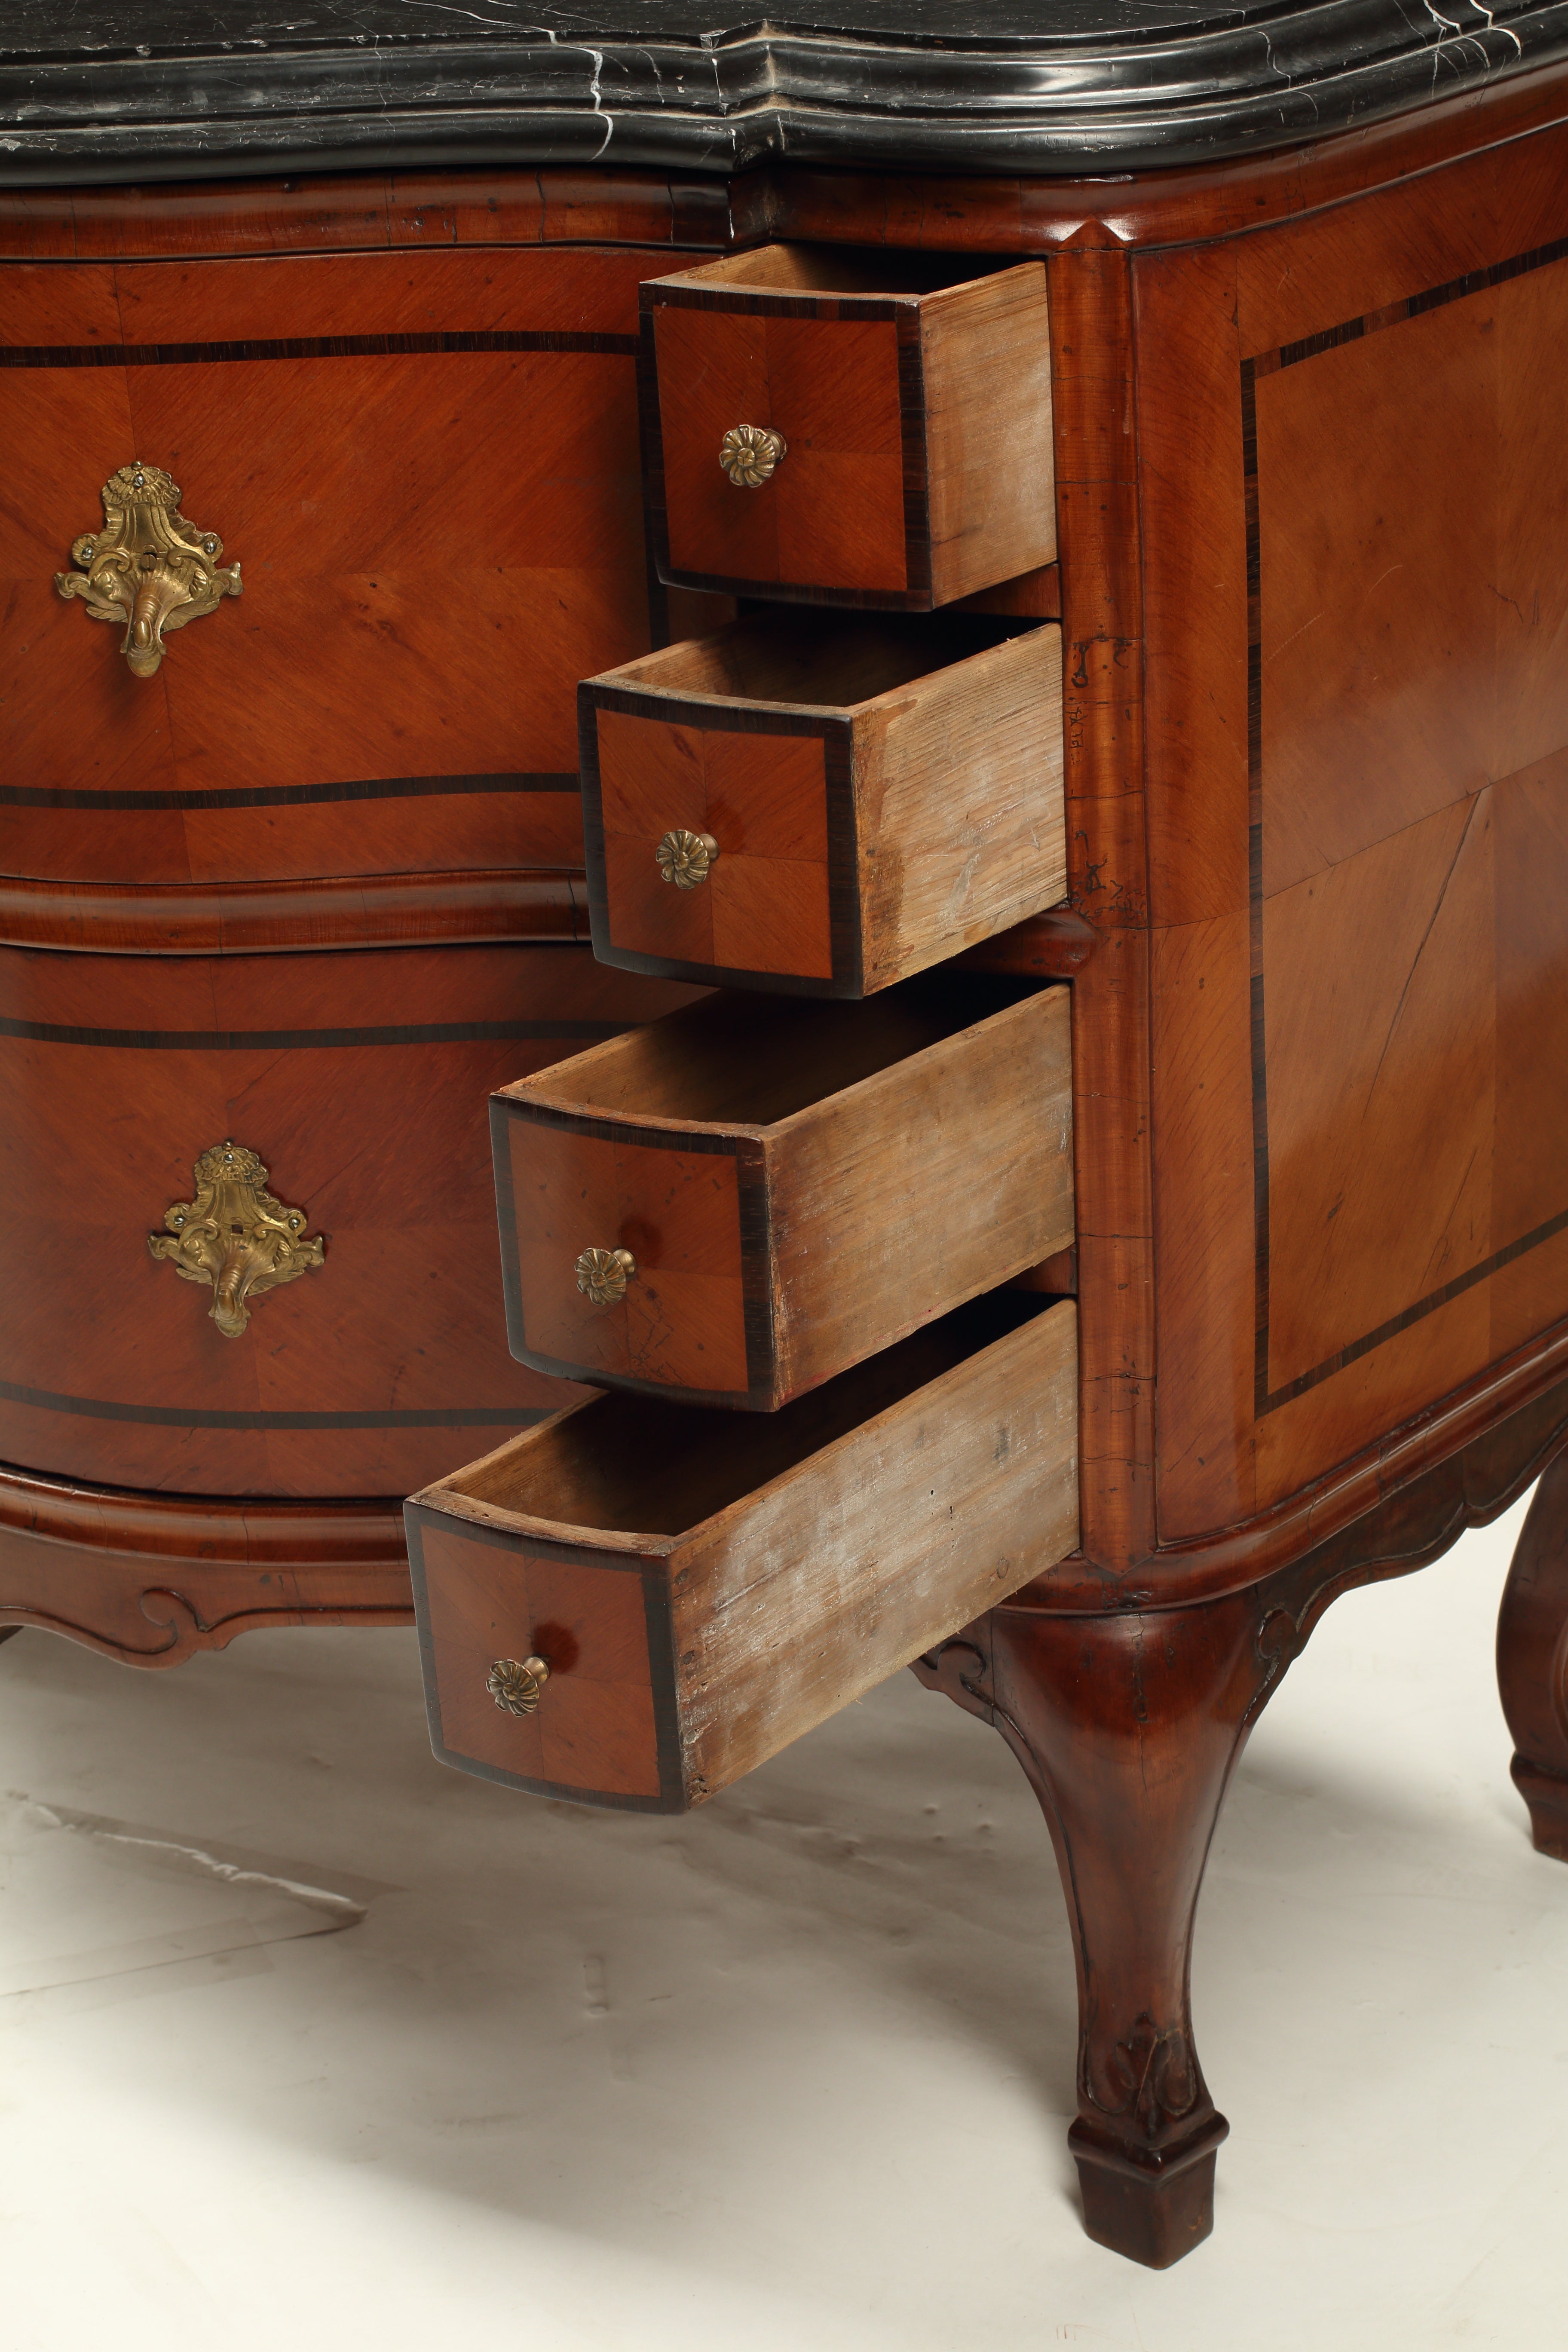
<point x="703" y="1590"/>
<point x="903" y="454"/>
<point x="426" y="466"/>
<point x="756" y="1194"/>
<point x="360" y="1082"/>
<point x="823" y="806"/>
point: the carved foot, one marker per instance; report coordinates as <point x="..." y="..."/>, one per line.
<point x="1152" y="2213"/>
<point x="1128" y="1727"/>
<point x="1533" y="1661"/>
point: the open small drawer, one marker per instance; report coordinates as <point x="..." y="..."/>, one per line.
<point x="845" y="427"/>
<point x="741" y="1199"/>
<point x="822" y="806"/>
<point x="702" y="1590"/>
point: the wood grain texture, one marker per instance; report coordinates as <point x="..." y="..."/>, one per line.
<point x="1195" y="315"/>
<point x="917" y="425"/>
<point x="1358" y="942"/>
<point x="1102" y="628"/>
<point x="761" y="1153"/>
<point x="870" y="1239"/>
<point x="276" y="917"/>
<point x="1052" y="946"/>
<point x="986" y="350"/>
<point x="805" y="1553"/>
<point x="149" y="1579"/>
<point x="361" y="1078"/>
<point x="358" y="832"/>
<point x="872" y="815"/>
<point x="1495" y="588"/>
<point x="1199" y="827"/>
<point x="761" y="796"/>
<point x="958" y="814"/>
<point x="682" y="1321"/>
<point x="362" y="212"/>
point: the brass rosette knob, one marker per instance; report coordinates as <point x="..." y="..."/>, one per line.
<point x="516" y="1684"/>
<point x="749" y="454"/>
<point x="686" y="858"/>
<point x="603" y="1274"/>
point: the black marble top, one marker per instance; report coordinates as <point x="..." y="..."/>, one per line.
<point x="141" y="90"/>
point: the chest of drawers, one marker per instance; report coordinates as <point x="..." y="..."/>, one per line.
<point x="979" y="576"/>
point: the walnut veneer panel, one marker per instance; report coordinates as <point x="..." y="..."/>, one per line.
<point x="765" y="905"/>
<point x="427" y="468"/>
<point x="837" y="515"/>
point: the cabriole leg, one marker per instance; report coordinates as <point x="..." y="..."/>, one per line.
<point x="1533" y="1661"/>
<point x="1128" y="1727"/>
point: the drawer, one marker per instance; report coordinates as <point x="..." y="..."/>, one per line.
<point x="752" y="1194"/>
<point x="379" y="698"/>
<point x="822" y="806"/>
<point x="703" y="1590"/>
<point x="360" y="1080"/>
<point x="815" y="426"/>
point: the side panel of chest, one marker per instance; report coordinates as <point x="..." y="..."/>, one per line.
<point x="1359" y="819"/>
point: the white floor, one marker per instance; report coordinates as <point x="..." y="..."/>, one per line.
<point x="791" y="2075"/>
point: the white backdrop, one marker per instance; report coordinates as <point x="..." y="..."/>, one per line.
<point x="791" y="2075"/>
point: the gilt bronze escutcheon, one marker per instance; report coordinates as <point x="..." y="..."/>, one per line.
<point x="148" y="568"/>
<point x="234" y="1236"/>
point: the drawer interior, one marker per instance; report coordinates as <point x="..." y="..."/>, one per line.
<point x="626" y="1463"/>
<point x="844" y="269"/>
<point x="810" y="659"/>
<point x="751" y="1062"/>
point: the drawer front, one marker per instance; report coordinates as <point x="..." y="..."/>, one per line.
<point x="601" y="1623"/>
<point x="681" y="1323"/>
<point x="395" y="690"/>
<point x="360" y="1080"/>
<point x="827" y="850"/>
<point x="793" y="1561"/>
<point x="834" y="513"/>
<point x="764" y="908"/>
<point x="780" y="1251"/>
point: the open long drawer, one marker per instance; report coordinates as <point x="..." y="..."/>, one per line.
<point x="702" y="1587"/>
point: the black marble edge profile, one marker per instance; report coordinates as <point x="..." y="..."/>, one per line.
<point x="939" y="85"/>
